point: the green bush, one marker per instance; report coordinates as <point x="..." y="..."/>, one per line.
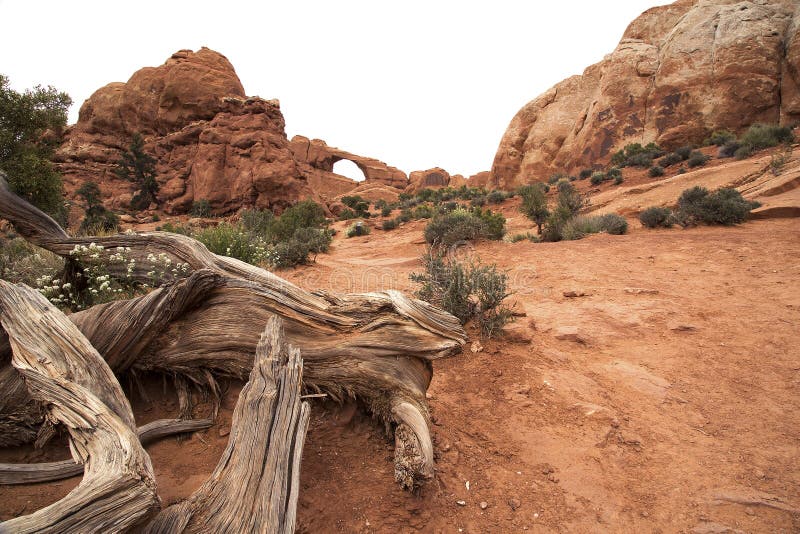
<point x="585" y="173"/>
<point x="200" y="208"/>
<point x="618" y="180"/>
<point x="466" y="290"/>
<point x="139" y="167"/>
<point x="635" y="154"/>
<point x="640" y="160"/>
<point x="478" y="201"/>
<point x="256" y="221"/>
<point x="613" y="173"/>
<point x="554" y="225"/>
<point x="304" y="214"/>
<point x="554" y="178"/>
<point x="386" y="211"/>
<point x="728" y="150"/>
<point x="670" y="159"/>
<point x="226" y="239"/>
<point x="390" y="224"/>
<point x="347" y="214"/>
<point x="613" y="224"/>
<point x="97" y="218"/>
<point x="569" y="198"/>
<point x="516" y="238"/>
<point x="582" y="225"/>
<point x="423" y="211"/>
<point x="721" y="137"/>
<point x="358" y="228"/>
<point x="496" y="197"/>
<point x="21" y="262"/>
<point x="685" y="152"/>
<point x="760" y="136"/>
<point x="455" y="227"/>
<point x="697" y="159"/>
<point x="723" y="206"/>
<point x="655" y="171"/>
<point x="743" y="152"/>
<point x="352" y="200"/>
<point x="405" y="216"/>
<point x="655" y="217"/>
<point x="597" y="178"/>
<point x="534" y="204"/>
<point x="380" y="204"/>
<point x="316" y="239"/>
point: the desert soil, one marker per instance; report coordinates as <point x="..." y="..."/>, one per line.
<point x="663" y="397"/>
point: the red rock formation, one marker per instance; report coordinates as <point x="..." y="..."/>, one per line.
<point x="211" y="142"/>
<point x="320" y="156"/>
<point x="431" y="179"/>
<point x="679" y="72"/>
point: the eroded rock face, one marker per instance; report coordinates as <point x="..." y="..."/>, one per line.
<point x="679" y="72"/>
<point x="211" y="142"/>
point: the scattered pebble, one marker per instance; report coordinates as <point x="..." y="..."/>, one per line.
<point x="476" y="347"/>
<point x="514" y="503"/>
<point x="575" y="293"/>
<point x="461" y="503"/>
<point x="484" y="505"/>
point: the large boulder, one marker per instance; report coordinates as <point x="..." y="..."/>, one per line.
<point x="679" y="72"/>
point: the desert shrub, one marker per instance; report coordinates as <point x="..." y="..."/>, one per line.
<point x="21" y="262"/>
<point x="200" y="208"/>
<point x="358" y="228"/>
<point x="351" y="200"/>
<point x="721" y="137"/>
<point x="640" y="160"/>
<point x="516" y="238"/>
<point x="670" y="159"/>
<point x="390" y="224"/>
<point x="466" y="289"/>
<point x="347" y="214"/>
<point x="681" y="170"/>
<point x="496" y="197"/>
<point x="760" y="136"/>
<point x="635" y="154"/>
<point x="685" y="151"/>
<point x="613" y="224"/>
<point x="386" y="211"/>
<point x="582" y="225"/>
<point x="655" y="171"/>
<point x="97" y="218"/>
<point x="723" y="206"/>
<point x="478" y="201"/>
<point x="613" y="173"/>
<point x="429" y="195"/>
<point x="304" y="214"/>
<point x="554" y="178"/>
<point x="423" y="211"/>
<point x="584" y="174"/>
<point x="447" y="207"/>
<point x="744" y="151"/>
<point x="554" y="225"/>
<point x="455" y="227"/>
<point x="569" y="198"/>
<point x="534" y="204"/>
<point x="380" y="204"/>
<point x="597" y="178"/>
<point x="778" y="161"/>
<point x="728" y="150"/>
<point x="495" y="223"/>
<point x="405" y="216"/>
<point x="288" y="254"/>
<point x="256" y="221"/>
<point x="316" y="239"/>
<point x="226" y="239"/>
<point x="618" y="180"/>
<point x="174" y="228"/>
<point x="654" y="217"/>
<point x="697" y="159"/>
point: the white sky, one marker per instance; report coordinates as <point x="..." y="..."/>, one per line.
<point x="416" y="84"/>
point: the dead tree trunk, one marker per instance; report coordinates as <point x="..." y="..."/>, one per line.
<point x="377" y="347"/>
<point x="11" y="474"/>
<point x="255" y="485"/>
<point x="66" y="374"/>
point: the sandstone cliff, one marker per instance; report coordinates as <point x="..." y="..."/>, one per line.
<point x="679" y="72"/>
<point x="210" y="141"/>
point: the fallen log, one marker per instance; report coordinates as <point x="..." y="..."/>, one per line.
<point x="67" y="375"/>
<point x="255" y="485"/>
<point x="11" y="474"/>
<point x="375" y="347"/>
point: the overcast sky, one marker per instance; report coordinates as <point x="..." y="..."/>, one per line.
<point x="416" y="84"/>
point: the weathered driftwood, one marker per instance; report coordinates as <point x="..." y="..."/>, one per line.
<point x="64" y="372"/>
<point x="255" y="485"/>
<point x="376" y="347"/>
<point x="49" y="471"/>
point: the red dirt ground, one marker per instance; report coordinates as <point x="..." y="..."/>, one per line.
<point x="665" y="399"/>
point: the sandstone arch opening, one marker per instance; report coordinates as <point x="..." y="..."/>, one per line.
<point x="345" y="167"/>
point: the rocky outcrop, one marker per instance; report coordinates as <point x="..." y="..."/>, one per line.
<point x="679" y="72"/>
<point x="433" y="179"/>
<point x="322" y="157"/>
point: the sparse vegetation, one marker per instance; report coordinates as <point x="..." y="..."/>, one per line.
<point x="390" y="224"/>
<point x="358" y="228"/>
<point x="636" y="155"/>
<point x="465" y="289"/>
<point x="584" y="174"/>
<point x="97" y="218"/>
<point x="697" y="159"/>
<point x="655" y="171"/>
<point x="516" y="238"/>
<point x="583" y="225"/>
<point x="670" y="159"/>
<point x="139" y="167"/>
<point x="723" y="206"/>
<point x="200" y="208"/>
<point x="534" y="204"/>
<point x="461" y="225"/>
<point x="655" y="217"/>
